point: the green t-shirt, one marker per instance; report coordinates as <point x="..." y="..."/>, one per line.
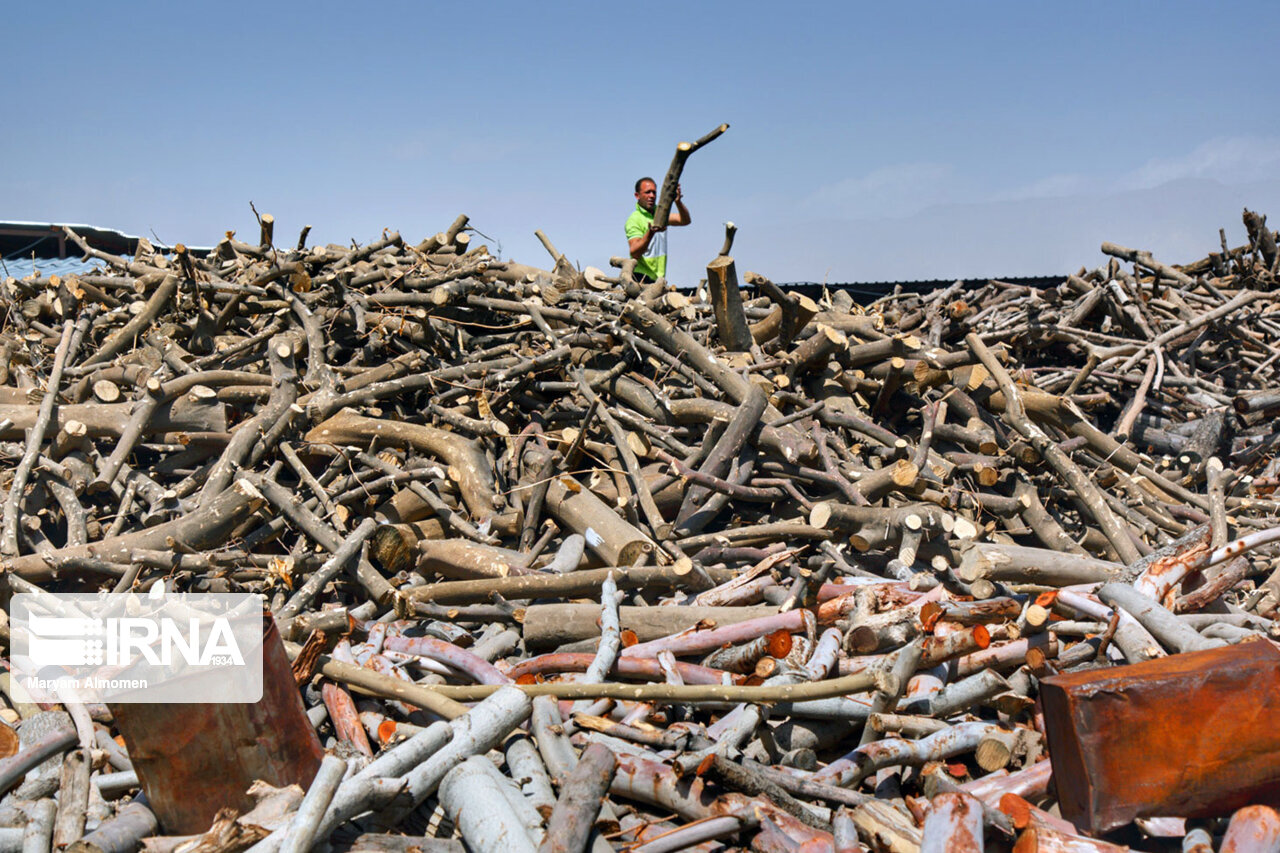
<point x="654" y="262"/>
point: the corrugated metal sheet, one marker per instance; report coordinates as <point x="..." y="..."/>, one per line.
<point x="43" y="246"/>
<point x="924" y="285"/>
<point x="47" y="240"/>
<point x="869" y="291"/>
<point x="23" y="267"/>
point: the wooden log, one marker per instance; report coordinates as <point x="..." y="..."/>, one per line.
<point x="1039" y="839"/>
<point x="547" y="625"/>
<point x="570" y="823"/>
<point x="132" y="823"/>
<point x="459" y="559"/>
<point x="108" y="420"/>
<point x="726" y="300"/>
<point x="1253" y="829"/>
<point x="667" y="195"/>
<point x="1022" y="564"/>
<point x="577" y="509"/>
<point x="73" y="798"/>
<point x="466" y="461"/>
<point x="576" y="585"/>
<point x="693" y="514"/>
<point x="954" y="825"/>
<point x="1162" y="624"/>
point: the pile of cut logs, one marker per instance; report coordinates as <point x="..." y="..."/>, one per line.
<point x="567" y="562"/>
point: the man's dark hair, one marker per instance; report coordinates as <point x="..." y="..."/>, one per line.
<point x="642" y="180"/>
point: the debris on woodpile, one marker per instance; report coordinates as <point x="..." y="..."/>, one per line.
<point x="563" y="561"/>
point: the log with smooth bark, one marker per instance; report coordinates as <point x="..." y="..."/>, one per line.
<point x="671" y="181"/>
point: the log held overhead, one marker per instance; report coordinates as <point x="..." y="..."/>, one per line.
<point x="667" y="196"/>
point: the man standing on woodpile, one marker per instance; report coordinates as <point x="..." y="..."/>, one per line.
<point x="649" y="244"/>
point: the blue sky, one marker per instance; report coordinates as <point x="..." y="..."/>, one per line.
<point x="867" y="141"/>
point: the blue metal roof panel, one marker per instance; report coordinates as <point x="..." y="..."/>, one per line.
<point x="23" y="267"/>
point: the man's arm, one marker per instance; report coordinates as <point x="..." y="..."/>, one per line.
<point x="640" y="245"/>
<point x="681" y="215"/>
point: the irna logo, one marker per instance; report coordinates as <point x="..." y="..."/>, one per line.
<point x="177" y="647"/>
<point x="72" y="641"/>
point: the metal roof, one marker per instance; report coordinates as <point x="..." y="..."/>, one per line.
<point x="23" y="267"/>
<point x="876" y="289"/>
<point x="27" y="247"/>
<point x="47" y="240"/>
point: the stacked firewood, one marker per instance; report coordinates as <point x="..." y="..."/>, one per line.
<point x="564" y="561"/>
